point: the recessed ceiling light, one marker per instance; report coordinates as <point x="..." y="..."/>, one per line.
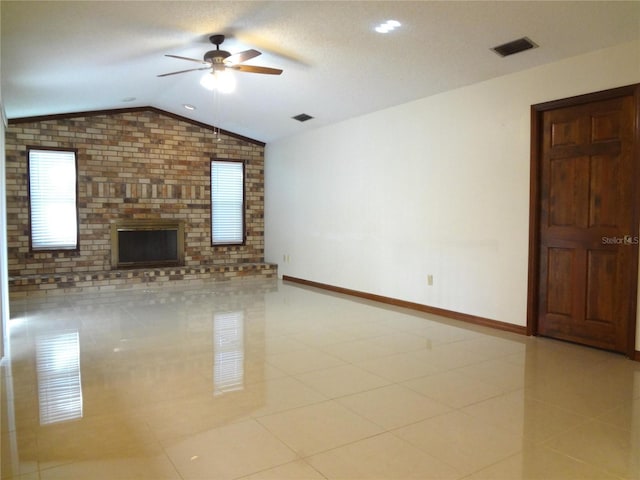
<point x="189" y="107"/>
<point x="388" y="26"/>
<point x="128" y="99"/>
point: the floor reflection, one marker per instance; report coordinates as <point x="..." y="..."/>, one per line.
<point x="59" y="384"/>
<point x="228" y="352"/>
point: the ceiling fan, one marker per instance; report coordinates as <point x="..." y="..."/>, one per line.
<point x="218" y="61"/>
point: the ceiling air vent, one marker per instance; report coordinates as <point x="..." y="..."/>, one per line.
<point x="303" y="117"/>
<point x="516" y="46"/>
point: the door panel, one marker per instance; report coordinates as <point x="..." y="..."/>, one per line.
<point x="603" y="203"/>
<point x="559" y="280"/>
<point x="587" y="267"/>
<point x="567" y="191"/>
<point x="601" y="286"/>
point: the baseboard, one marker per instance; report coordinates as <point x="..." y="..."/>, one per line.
<point x="464" y="317"/>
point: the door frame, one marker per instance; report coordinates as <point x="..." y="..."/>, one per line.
<point x="537" y="112"/>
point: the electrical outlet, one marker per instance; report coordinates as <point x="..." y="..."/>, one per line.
<point x="430" y="280"/>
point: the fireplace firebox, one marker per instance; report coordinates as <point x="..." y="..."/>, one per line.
<point x="137" y="243"/>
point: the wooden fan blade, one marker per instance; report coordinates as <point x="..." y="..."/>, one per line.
<point x="256" y="69"/>
<point x="242" y="56"/>
<point x="186" y="58"/>
<point x="183" y="71"/>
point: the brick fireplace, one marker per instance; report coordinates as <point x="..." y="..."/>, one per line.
<point x="141" y="166"/>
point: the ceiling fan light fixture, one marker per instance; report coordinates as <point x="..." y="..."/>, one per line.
<point x="220" y="80"/>
<point x="208" y="81"/>
<point x="226" y="82"/>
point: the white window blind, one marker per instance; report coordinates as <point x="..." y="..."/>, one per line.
<point x="52" y="195"/>
<point x="227" y="202"/>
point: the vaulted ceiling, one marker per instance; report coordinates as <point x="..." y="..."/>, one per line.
<point x="77" y="56"/>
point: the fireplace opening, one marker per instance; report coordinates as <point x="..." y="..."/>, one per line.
<point x="148" y="246"/>
<point x="147" y="243"/>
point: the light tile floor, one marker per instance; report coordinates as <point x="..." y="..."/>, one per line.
<point x="268" y="380"/>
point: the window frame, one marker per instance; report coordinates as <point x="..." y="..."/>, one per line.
<point x="74" y="151"/>
<point x="244" y="202"/>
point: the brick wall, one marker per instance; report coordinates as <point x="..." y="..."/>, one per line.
<point x="132" y="164"/>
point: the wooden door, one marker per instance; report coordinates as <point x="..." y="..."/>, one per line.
<point x="587" y="224"/>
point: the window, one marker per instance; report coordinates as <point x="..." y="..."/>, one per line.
<point x="52" y="198"/>
<point x="227" y="202"/>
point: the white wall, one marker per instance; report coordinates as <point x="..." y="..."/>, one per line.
<point x="437" y="186"/>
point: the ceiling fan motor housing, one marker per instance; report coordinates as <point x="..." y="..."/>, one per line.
<point x="216" y="57"/>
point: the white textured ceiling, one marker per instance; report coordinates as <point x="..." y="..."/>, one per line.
<point x="75" y="56"/>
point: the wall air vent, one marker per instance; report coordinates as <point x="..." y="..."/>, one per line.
<point x="303" y="117"/>
<point x="516" y="46"/>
